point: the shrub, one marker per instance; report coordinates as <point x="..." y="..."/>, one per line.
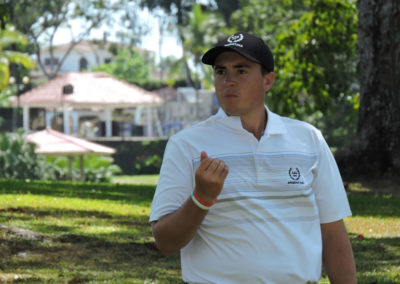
<point x="17" y="157"/>
<point x="18" y="160"/>
<point x="96" y="168"/>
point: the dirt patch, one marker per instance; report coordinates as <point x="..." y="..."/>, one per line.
<point x="16" y="233"/>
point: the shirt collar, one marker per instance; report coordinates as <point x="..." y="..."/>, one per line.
<point x="274" y="125"/>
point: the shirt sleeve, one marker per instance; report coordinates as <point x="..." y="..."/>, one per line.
<point x="328" y="186"/>
<point x="175" y="182"/>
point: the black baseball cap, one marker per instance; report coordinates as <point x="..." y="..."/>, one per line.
<point x="247" y="45"/>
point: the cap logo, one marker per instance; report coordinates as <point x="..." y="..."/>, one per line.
<point x="234" y="39"/>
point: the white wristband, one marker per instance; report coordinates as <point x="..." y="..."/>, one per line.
<point x="198" y="203"/>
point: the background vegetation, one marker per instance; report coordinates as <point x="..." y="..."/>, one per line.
<point x="18" y="160"/>
<point x="315" y="47"/>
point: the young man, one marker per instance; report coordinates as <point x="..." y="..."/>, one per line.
<point x="249" y="196"/>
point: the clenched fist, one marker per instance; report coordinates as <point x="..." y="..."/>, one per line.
<point x="210" y="177"/>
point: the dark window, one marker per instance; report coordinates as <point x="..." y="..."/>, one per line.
<point x="48" y="61"/>
<point x="83" y="64"/>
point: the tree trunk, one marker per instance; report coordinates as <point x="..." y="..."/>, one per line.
<point x="376" y="148"/>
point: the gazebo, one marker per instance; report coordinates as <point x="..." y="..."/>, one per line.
<point x="98" y="93"/>
<point x="53" y="143"/>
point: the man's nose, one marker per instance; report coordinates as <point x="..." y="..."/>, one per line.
<point x="229" y="78"/>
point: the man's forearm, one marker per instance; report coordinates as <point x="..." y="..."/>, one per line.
<point x="337" y="254"/>
<point x="174" y="231"/>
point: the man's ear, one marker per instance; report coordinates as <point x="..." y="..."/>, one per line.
<point x="268" y="81"/>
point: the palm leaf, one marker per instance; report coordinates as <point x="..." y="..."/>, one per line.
<point x="19" y="58"/>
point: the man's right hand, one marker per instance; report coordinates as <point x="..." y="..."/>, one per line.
<point x="210" y="177"/>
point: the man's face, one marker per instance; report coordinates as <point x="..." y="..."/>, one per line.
<point x="239" y="84"/>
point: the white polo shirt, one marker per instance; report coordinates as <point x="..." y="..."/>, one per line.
<point x="265" y="227"/>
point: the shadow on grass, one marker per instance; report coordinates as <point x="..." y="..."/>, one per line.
<point x="377" y="259"/>
<point x="69" y="256"/>
<point x="48" y="220"/>
<point x="137" y="194"/>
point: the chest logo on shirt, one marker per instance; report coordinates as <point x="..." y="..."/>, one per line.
<point x="294" y="175"/>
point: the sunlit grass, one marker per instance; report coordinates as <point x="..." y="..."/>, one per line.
<point x="140" y="179"/>
<point x="97" y="233"/>
<point x="374" y="227"/>
<point x="91" y="217"/>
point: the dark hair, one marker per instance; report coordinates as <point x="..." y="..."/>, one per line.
<point x="264" y="70"/>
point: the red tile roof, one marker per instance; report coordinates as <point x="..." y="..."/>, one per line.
<point x="89" y="89"/>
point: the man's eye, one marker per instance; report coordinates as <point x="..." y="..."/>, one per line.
<point x="220" y="72"/>
<point x="242" y="71"/>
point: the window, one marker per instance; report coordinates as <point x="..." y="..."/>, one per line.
<point x="83" y="64"/>
<point x="49" y="61"/>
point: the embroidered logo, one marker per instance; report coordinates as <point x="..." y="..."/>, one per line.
<point x="234" y="39"/>
<point x="295" y="175"/>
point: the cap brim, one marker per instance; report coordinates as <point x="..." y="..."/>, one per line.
<point x="210" y="56"/>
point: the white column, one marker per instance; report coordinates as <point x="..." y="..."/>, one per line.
<point x="25" y="117"/>
<point x="75" y="119"/>
<point x="149" y="121"/>
<point x="158" y="123"/>
<point x="66" y="119"/>
<point x="108" y="122"/>
<point x="49" y="116"/>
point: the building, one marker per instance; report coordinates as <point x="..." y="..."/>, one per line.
<point x="185" y="106"/>
<point x="91" y="104"/>
<point x="82" y="57"/>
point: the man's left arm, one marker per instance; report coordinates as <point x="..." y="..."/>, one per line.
<point x="337" y="254"/>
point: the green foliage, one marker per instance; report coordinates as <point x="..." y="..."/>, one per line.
<point x="130" y="66"/>
<point x="138" y="157"/>
<point x="18" y="160"/>
<point x="10" y="36"/>
<point x="127" y="65"/>
<point x="316" y="59"/>
<point x="149" y="161"/>
<point x="267" y="18"/>
<point x="99" y="168"/>
<point x="145" y="164"/>
<point x="96" y="168"/>
<point x="42" y="19"/>
<point x="202" y="31"/>
<point x="314" y="45"/>
<point x="17" y="157"/>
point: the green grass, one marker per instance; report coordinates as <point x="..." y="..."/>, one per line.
<point x="99" y="233"/>
<point x="138" y="180"/>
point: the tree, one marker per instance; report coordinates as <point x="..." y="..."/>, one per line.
<point x="9" y="36"/>
<point x="181" y="13"/>
<point x="202" y="31"/>
<point x="128" y="65"/>
<point x="227" y="8"/>
<point x="177" y="11"/>
<point x="314" y="45"/>
<point x="42" y="18"/>
<point x="376" y="148"/>
<point x="133" y="28"/>
<point x="316" y="60"/>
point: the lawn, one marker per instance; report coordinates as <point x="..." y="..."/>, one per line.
<point x="60" y="232"/>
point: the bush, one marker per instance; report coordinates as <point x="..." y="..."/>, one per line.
<point x="17" y="157"/>
<point x="18" y="160"/>
<point x="96" y="168"/>
<point x="138" y="157"/>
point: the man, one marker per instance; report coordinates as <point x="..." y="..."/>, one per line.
<point x="249" y="196"/>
